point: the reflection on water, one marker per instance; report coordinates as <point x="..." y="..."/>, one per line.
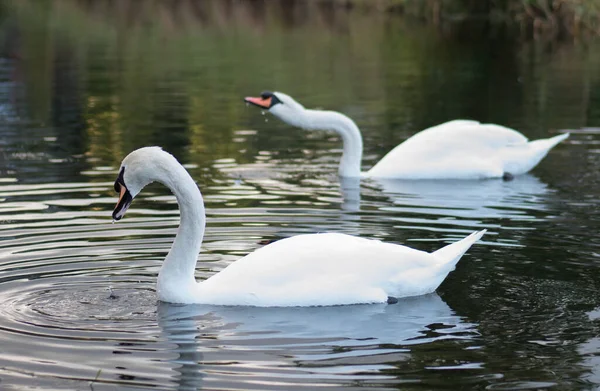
<point x="468" y="203"/>
<point x="84" y="83"/>
<point x="362" y="324"/>
<point x="590" y="350"/>
<point x="304" y="342"/>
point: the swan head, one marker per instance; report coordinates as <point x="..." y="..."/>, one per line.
<point x="279" y="104"/>
<point x="140" y="168"/>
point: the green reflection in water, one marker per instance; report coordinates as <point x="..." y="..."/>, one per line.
<point x="105" y="78"/>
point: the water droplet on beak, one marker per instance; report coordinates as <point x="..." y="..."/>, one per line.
<point x="262" y="112"/>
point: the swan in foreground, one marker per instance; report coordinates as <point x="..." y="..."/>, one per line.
<point x="459" y="149"/>
<point x="304" y="270"/>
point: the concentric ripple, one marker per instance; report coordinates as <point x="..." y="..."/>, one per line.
<point x="78" y="305"/>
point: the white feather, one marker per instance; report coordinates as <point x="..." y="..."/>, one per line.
<point x="304" y="270"/>
<point x="459" y="149"/>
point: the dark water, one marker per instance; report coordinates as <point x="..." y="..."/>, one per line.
<point x="84" y="83"/>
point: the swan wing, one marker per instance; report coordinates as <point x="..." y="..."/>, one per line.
<point x="314" y="269"/>
<point x="460" y="149"/>
<point x="473" y="133"/>
<point x="325" y="269"/>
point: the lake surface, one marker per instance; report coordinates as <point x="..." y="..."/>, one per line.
<point x="84" y="83"/>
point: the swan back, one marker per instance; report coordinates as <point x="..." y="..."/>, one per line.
<point x="463" y="149"/>
<point x="331" y="269"/>
<point x="473" y="133"/>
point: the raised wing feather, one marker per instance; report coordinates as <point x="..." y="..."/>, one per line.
<point x="311" y="268"/>
<point x="473" y="132"/>
<point x="456" y="149"/>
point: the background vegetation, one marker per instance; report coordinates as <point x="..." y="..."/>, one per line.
<point x="108" y="77"/>
<point x="532" y="18"/>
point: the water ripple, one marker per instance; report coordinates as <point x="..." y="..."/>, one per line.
<point x="79" y="303"/>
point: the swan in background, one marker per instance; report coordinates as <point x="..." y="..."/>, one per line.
<point x="459" y="149"/>
<point x="304" y="270"/>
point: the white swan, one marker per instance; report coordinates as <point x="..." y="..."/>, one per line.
<point x="459" y="149"/>
<point x="304" y="270"/>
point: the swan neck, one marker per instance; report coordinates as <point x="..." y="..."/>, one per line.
<point x="348" y="131"/>
<point x="177" y="272"/>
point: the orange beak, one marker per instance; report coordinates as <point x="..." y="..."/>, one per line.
<point x="260" y="102"/>
<point x="123" y="203"/>
<point x="121" y="195"/>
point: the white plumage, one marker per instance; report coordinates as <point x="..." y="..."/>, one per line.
<point x="331" y="269"/>
<point x="304" y="270"/>
<point x="459" y="149"/>
<point x="463" y="149"/>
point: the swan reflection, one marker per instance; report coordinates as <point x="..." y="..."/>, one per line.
<point x="590" y="351"/>
<point x="521" y="198"/>
<point x="245" y="337"/>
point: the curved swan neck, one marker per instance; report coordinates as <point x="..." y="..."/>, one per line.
<point x="345" y="127"/>
<point x="177" y="272"/>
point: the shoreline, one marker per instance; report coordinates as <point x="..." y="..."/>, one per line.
<point x="557" y="19"/>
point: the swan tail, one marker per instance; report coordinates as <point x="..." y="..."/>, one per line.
<point x="546" y="144"/>
<point x="520" y="160"/>
<point x="451" y="254"/>
<point x="540" y="149"/>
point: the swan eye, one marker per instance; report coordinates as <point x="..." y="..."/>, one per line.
<point x="117" y="187"/>
<point x="266" y="94"/>
<point x="273" y="99"/>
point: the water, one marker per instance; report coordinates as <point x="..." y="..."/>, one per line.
<point x="83" y="84"/>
